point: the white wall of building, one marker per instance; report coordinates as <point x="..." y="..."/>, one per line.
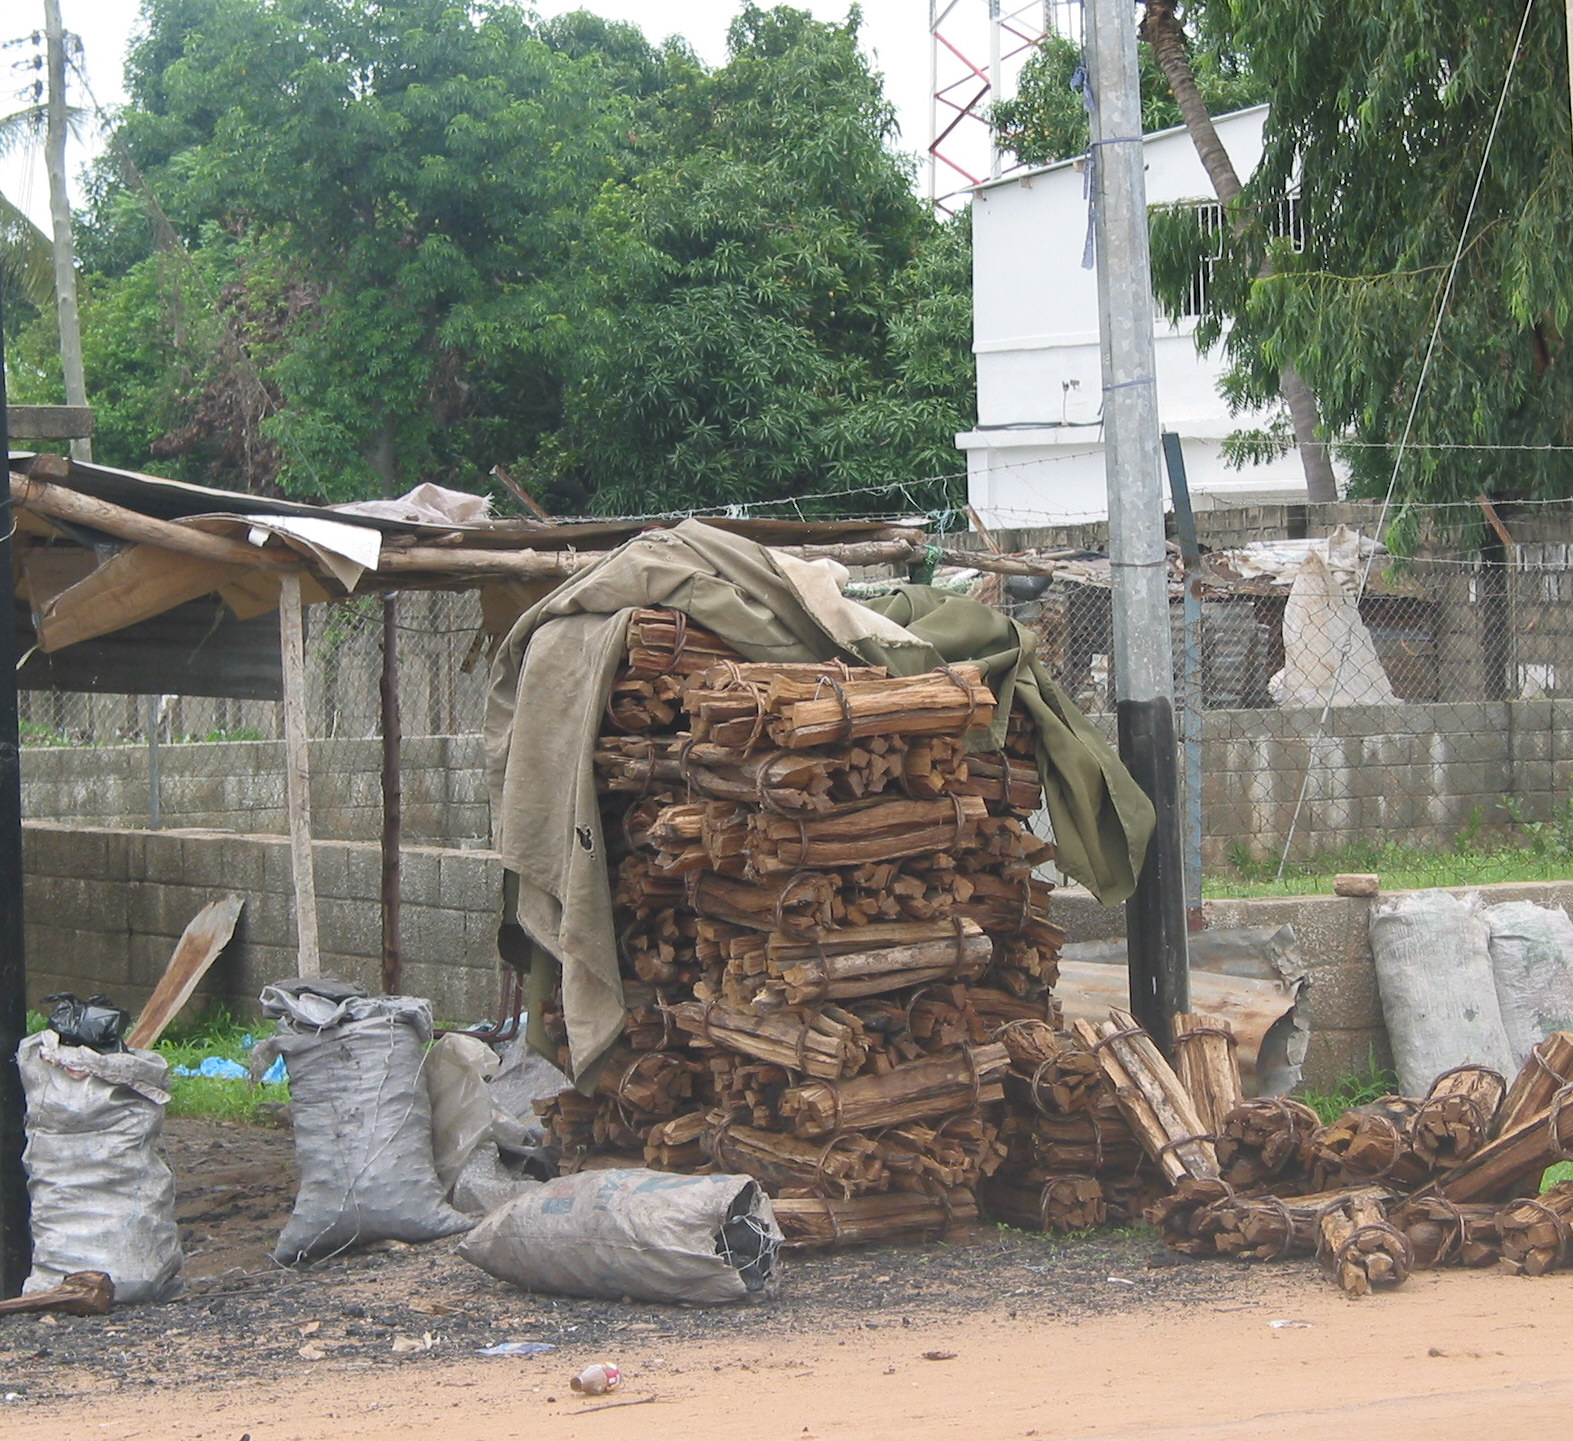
<point x="1036" y="456"/>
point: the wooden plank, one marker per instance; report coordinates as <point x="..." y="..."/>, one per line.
<point x="49" y="422"/>
<point x="297" y="774"/>
<point x="198" y="947"/>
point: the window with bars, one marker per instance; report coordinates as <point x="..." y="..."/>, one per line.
<point x="1286" y="224"/>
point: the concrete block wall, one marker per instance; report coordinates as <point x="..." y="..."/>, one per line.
<point x="105" y="907"/>
<point x="239" y="785"/>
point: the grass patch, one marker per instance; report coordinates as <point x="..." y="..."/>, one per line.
<point x="1358" y="1089"/>
<point x="217" y="1031"/>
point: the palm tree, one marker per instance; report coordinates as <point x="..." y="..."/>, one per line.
<point x="25" y="255"/>
<point x="1162" y="30"/>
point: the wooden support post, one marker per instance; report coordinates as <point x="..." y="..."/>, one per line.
<point x="297" y="774"/>
<point x="392" y="801"/>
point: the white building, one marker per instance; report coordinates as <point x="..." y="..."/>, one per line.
<point x="1036" y="456"/>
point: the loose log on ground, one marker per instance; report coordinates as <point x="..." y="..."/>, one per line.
<point x="811" y="1223"/>
<point x="1360" y="1249"/>
<point x="917" y="1091"/>
<point x="1204" y="1055"/>
<point x="1269" y="1140"/>
<point x="1151" y="1097"/>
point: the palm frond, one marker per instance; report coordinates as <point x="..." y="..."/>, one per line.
<point x="25" y="256"/>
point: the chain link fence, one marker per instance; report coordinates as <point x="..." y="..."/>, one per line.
<point x="1338" y="710"/>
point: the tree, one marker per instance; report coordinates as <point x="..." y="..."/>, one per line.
<point x="757" y="277"/>
<point x="1380" y="118"/>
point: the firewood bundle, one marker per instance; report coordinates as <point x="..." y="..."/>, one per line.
<point x="827" y="911"/>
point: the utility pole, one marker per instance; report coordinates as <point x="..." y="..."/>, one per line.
<point x="1143" y="651"/>
<point x="60" y="214"/>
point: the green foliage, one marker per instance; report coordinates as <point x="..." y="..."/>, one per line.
<point x="217" y="1031"/>
<point x="1380" y="116"/>
<point x="1358" y="1089"/>
<point x="425" y="238"/>
<point x="1046" y="120"/>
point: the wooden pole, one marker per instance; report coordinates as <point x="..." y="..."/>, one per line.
<point x="16" y="1245"/>
<point x="297" y="774"/>
<point x="392" y="801"/>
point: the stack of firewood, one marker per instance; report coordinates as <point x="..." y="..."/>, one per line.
<point x="836" y="954"/>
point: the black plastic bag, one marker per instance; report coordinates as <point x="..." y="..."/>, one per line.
<point x="97" y="1023"/>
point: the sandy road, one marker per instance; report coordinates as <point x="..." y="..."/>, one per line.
<point x="1458" y="1356"/>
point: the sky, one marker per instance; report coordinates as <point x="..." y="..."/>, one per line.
<point x="895" y="33"/>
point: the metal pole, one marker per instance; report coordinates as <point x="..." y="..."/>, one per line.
<point x="154" y="704"/>
<point x="1143" y="658"/>
<point x="16" y="1243"/>
<point x="1192" y="709"/>
<point x="392" y="801"/>
<point x="996" y="77"/>
<point x="60" y="217"/>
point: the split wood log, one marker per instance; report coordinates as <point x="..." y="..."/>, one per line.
<point x="1097" y="1141"/>
<point x="1269" y="1227"/>
<point x="778" y="845"/>
<point x="813" y="1223"/>
<point x="1458" y="1115"/>
<point x="960" y="1151"/>
<point x="997" y="1007"/>
<point x="1150" y="1095"/>
<point x="675" y="1145"/>
<point x="1441" y="1233"/>
<point x="1010" y="784"/>
<point x="1204" y="1054"/>
<point x="637" y="705"/>
<point x="917" y="1091"/>
<point x="1268" y="1141"/>
<point x="1177" y="1216"/>
<point x="1548" y="1069"/>
<point x="654" y="1084"/>
<point x="1361" y="1249"/>
<point x="806" y="901"/>
<point x="827" y="1043"/>
<point x="781" y="781"/>
<point x="844" y="1166"/>
<point x="206" y="934"/>
<point x="1059" y="1203"/>
<point x="80" y="1293"/>
<point x="1050" y="1070"/>
<point x="1372" y="1142"/>
<point x="964" y="955"/>
<point x="666" y="642"/>
<point x="949" y="701"/>
<point x="1536" y="1234"/>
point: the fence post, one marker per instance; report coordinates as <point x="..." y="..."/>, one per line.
<point x="392" y="801"/>
<point x="1190" y="687"/>
<point x="153" y="706"/>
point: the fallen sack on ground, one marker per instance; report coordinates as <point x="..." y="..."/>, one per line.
<point x="490" y="1179"/>
<point x="362" y="1119"/>
<point x="1532" y="961"/>
<point x="102" y="1197"/>
<point x="457" y="1069"/>
<point x="1439" y="998"/>
<point x="648" y="1235"/>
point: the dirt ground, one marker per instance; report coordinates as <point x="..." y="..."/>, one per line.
<point x="1110" y="1337"/>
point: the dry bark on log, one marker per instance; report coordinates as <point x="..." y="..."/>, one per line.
<point x="1372" y="1142"/>
<point x="798" y="903"/>
<point x="846" y="1165"/>
<point x="827" y="1043"/>
<point x="964" y="955"/>
<point x="810" y="1223"/>
<point x="1177" y="1216"/>
<point x="1535" y="1232"/>
<point x="1204" y="1054"/>
<point x="918" y="1091"/>
<point x="675" y="1145"/>
<point x="1270" y="1140"/>
<point x="1458" y="1115"/>
<point x="960" y="1151"/>
<point x="1268" y="1227"/>
<point x="664" y="642"/>
<point x="950" y="701"/>
<point x="777" y="845"/>
<point x="1058" y="1203"/>
<point x="1441" y="1233"/>
<point x="1360" y="1249"/>
<point x="652" y="1083"/>
<point x="1151" y="1097"/>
